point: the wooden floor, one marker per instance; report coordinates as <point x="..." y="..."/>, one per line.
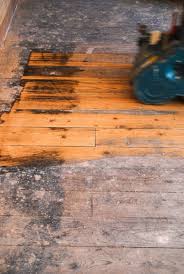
<point x="81" y="107"/>
<point x="111" y="215"/>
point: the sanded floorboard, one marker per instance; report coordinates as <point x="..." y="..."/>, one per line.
<point x="78" y="59"/>
<point x="90" y="113"/>
<point x="46" y="136"/>
<point x="70" y="86"/>
<point x="74" y="71"/>
<point x="91" y="104"/>
<point x="36" y="155"/>
<point x="36" y="118"/>
<point x="61" y="95"/>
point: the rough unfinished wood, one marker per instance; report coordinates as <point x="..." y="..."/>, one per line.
<point x="152" y="175"/>
<point x="124" y="175"/>
<point x="92" y="260"/>
<point x="100" y="232"/>
<point x="43" y="203"/>
<point x="7" y="8"/>
<point x="153" y="205"/>
<point x="140" y="137"/>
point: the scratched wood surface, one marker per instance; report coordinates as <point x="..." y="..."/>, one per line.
<point x="81" y="106"/>
<point x="97" y="260"/>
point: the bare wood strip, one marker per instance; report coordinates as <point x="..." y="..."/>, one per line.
<point x="34" y="118"/>
<point x="79" y="57"/>
<point x="68" y="85"/>
<point x="85" y="72"/>
<point x="28" y="78"/>
<point x="46" y="136"/>
<point x="58" y="62"/>
<point x="127" y="232"/>
<point x="115" y="104"/>
<point x="35" y="155"/>
<point x="71" y="95"/>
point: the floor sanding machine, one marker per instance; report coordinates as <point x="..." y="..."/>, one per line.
<point x="158" y="71"/>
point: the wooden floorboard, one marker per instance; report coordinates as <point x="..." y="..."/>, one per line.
<point x="126" y="205"/>
<point x="25" y="155"/>
<point x="39" y="118"/>
<point x="140" y="137"/>
<point x="92" y="232"/>
<point x="91" y="104"/>
<point x="64" y="137"/>
<point x="96" y="260"/>
<point x="78" y="59"/>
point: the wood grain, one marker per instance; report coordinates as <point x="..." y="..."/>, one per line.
<point x="73" y="109"/>
<point x="36" y="118"/>
<point x="95" y="260"/>
<point x="75" y="71"/>
<point x="90" y="104"/>
<point x="6" y="12"/>
<point x="124" y="205"/>
<point x="125" y="175"/>
<point x="98" y="232"/>
<point x="38" y="203"/>
<point x="140" y="137"/>
<point x="155" y="205"/>
<point x="78" y="59"/>
<point x="26" y="136"/>
<point x="28" y="155"/>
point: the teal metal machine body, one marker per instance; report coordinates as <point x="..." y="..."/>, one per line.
<point x="158" y="73"/>
<point x="159" y="77"/>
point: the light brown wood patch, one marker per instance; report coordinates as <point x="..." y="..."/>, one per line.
<point x="80" y="106"/>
